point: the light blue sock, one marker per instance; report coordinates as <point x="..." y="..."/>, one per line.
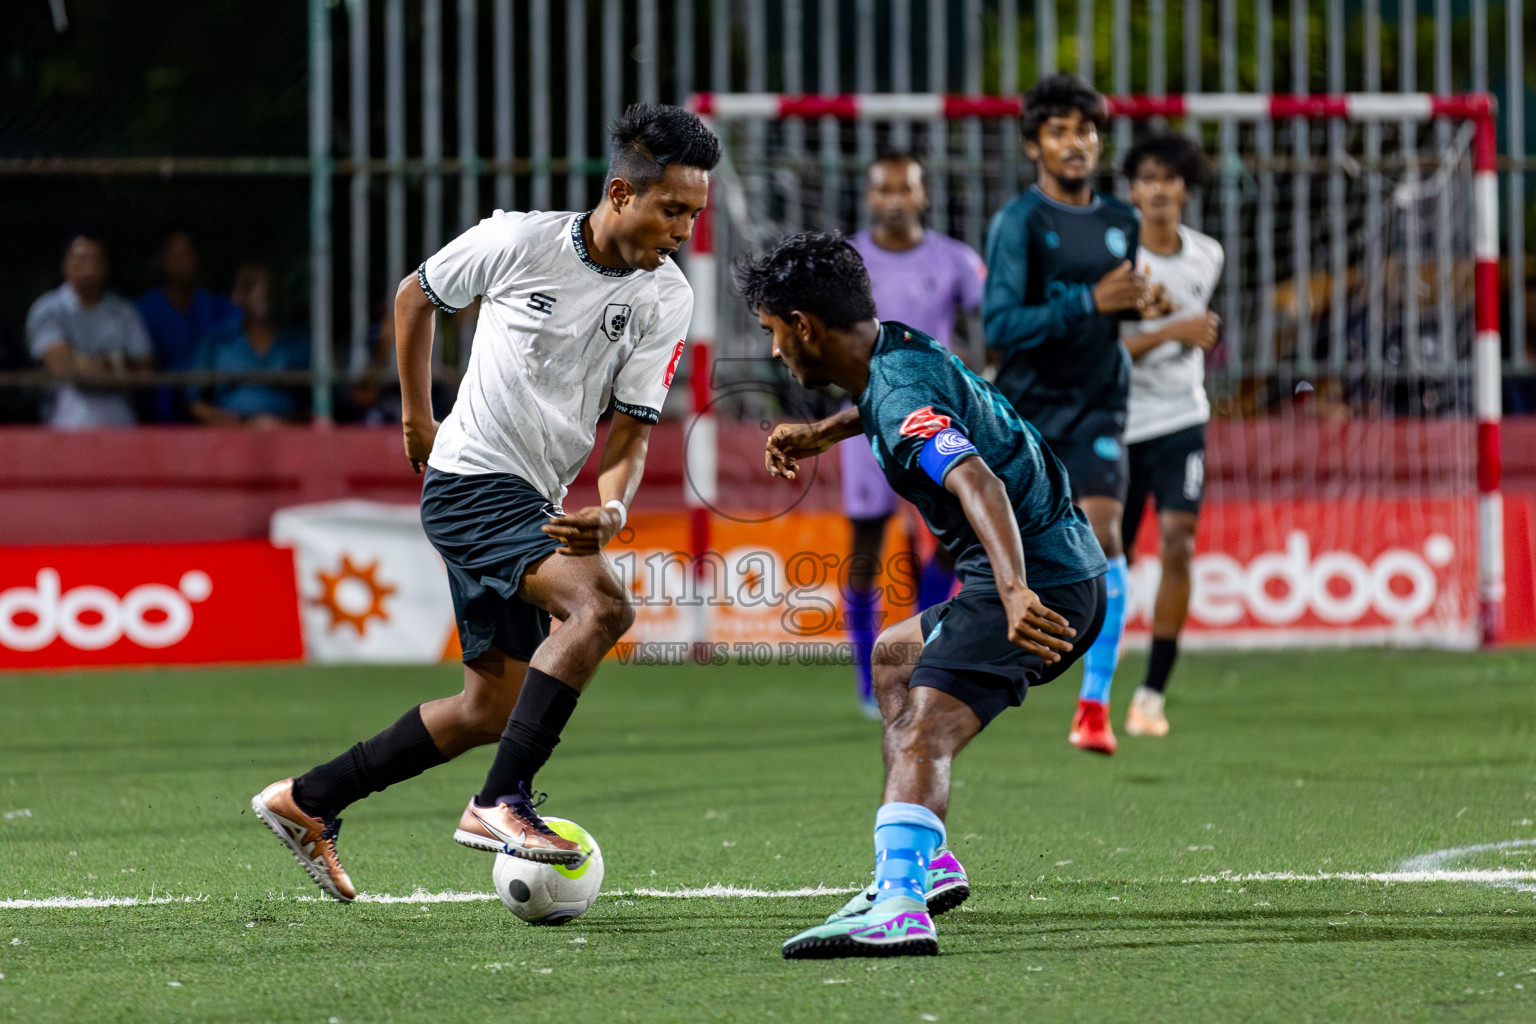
<point x="906" y="836"/>
<point x="1100" y="661"/>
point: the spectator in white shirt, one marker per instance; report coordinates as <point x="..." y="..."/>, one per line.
<point x="89" y="338"/>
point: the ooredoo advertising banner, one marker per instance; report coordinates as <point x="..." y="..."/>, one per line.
<point x="359" y="582"/>
<point x="119" y="604"/>
<point x="1307" y="572"/>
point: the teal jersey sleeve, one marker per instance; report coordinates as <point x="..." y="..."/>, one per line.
<point x="905" y="418"/>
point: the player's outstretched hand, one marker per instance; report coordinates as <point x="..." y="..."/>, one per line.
<point x="418" y="442"/>
<point x="1200" y="332"/>
<point x="1119" y="290"/>
<point x="584" y="532"/>
<point x="788" y="444"/>
<point x="1034" y="627"/>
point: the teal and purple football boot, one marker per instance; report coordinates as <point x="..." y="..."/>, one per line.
<point x="948" y="887"/>
<point x="895" y="927"/>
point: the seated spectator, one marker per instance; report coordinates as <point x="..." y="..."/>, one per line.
<point x="177" y="314"/>
<point x="251" y="343"/>
<point x="372" y="395"/>
<point x="90" y="339"/>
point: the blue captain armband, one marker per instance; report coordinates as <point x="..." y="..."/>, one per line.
<point x="942" y="451"/>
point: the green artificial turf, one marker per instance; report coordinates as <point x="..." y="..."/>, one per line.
<point x="135" y="784"/>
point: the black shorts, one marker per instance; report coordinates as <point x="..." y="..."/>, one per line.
<point x="1168" y="469"/>
<point x="1094" y="457"/>
<point x="486" y="527"/>
<point x="967" y="653"/>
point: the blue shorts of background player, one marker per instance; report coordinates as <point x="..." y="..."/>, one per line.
<point x="1033" y="594"/>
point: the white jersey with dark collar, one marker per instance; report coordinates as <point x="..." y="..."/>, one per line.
<point x="1168" y="383"/>
<point x="559" y="336"/>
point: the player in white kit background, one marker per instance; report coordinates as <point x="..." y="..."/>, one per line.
<point x="1165" y="426"/>
<point x="577" y="310"/>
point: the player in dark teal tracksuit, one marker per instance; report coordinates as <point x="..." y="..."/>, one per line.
<point x="995" y="497"/>
<point x="1060" y="279"/>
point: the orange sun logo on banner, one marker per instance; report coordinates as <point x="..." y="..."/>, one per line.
<point x="342" y="595"/>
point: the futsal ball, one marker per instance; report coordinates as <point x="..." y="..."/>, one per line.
<point x="551" y="893"/>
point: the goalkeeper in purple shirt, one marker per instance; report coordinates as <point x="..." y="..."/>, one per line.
<point x="925" y="279"/>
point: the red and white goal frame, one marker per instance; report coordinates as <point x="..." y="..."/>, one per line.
<point x="1476" y="109"/>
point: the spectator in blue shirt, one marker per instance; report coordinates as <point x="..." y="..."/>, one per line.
<point x="178" y="314"/>
<point x="254" y="342"/>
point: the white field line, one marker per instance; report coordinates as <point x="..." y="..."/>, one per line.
<point x="420" y="896"/>
<point x="90" y="902"/>
<point x="1492" y="877"/>
<point x="1426" y="867"/>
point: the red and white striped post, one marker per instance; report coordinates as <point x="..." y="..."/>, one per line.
<point x="1487" y="385"/>
<point x="701" y="456"/>
<point x="1475" y="107"/>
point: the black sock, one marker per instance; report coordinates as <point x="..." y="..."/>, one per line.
<point x="543" y="707"/>
<point x="1164" y="653"/>
<point x="403" y="751"/>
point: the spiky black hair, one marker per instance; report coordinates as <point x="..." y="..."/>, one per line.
<point x="814" y="273"/>
<point x="650" y="137"/>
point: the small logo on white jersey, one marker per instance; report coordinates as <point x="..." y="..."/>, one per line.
<point x="539" y="302"/>
<point x="615" y="319"/>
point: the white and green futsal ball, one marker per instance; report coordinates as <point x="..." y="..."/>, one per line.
<point x="551" y="893"/>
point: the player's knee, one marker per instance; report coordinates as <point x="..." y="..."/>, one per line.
<point x="612" y="616"/>
<point x="481" y="717"/>
<point x="604" y="612"/>
<point x="918" y="736"/>
<point x="1178" y="546"/>
<point x="886" y="653"/>
<point x="1109" y="539"/>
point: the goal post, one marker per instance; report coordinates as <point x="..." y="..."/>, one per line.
<point x="1395" y="194"/>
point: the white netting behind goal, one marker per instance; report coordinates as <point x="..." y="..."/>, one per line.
<point x="1341" y="457"/>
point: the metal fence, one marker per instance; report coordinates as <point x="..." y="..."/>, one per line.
<point x="426" y="115"/>
<point x="546" y="76"/>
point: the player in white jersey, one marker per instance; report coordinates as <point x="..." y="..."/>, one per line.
<point x="1165" y="427"/>
<point x="577" y="310"/>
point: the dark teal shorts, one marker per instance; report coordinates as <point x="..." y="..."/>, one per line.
<point x="967" y="653"/>
<point x="486" y="528"/>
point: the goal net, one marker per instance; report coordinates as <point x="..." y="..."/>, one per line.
<point x="1342" y="489"/>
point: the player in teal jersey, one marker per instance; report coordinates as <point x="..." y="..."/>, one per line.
<point x="1060" y="278"/>
<point x="1032" y="590"/>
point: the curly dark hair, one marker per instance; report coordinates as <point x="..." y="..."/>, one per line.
<point x="814" y="273"/>
<point x="1057" y="96"/>
<point x="1179" y="153"/>
<point x="651" y="136"/>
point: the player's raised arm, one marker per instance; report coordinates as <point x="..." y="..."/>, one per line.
<point x="1031" y="625"/>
